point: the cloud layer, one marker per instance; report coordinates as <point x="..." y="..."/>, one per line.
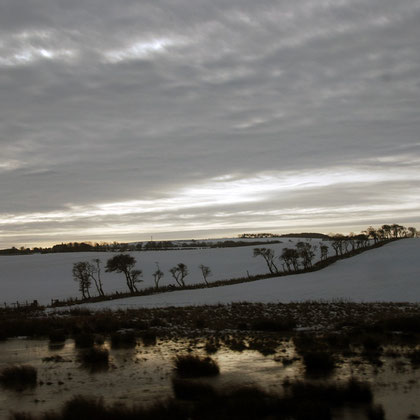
<point x="119" y="120"/>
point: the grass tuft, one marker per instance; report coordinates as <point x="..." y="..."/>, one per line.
<point x="19" y="377"/>
<point x="57" y="336"/>
<point x="126" y="339"/>
<point x="94" y="358"/>
<point x="190" y="366"/>
<point x="318" y="362"/>
<point x="84" y="340"/>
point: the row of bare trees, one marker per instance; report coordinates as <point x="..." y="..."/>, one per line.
<point x="87" y="273"/>
<point x="302" y="256"/>
<point x="390" y="231"/>
<point x="291" y="258"/>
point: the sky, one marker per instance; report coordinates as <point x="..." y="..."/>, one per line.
<point x="121" y="120"/>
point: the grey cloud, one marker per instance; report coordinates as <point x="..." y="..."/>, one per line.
<point x="242" y="88"/>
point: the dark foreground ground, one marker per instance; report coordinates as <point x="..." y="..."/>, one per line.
<point x="312" y="360"/>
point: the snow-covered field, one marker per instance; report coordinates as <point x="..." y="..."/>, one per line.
<point x="389" y="273"/>
<point x="49" y="276"/>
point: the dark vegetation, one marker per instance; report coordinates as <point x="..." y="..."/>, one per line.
<point x="384" y="232"/>
<point x="57" y="336"/>
<point x="273" y="325"/>
<point x="318" y="363"/>
<point x="123" y="339"/>
<point x="300" y="258"/>
<point x="190" y="366"/>
<point x="95" y="358"/>
<point x="84" y="340"/>
<point x="127" y="247"/>
<point x="124" y="263"/>
<point x="302" y="401"/>
<point x="387" y="322"/>
<point x="345" y="330"/>
<point x="18" y="378"/>
<point x="308" y="235"/>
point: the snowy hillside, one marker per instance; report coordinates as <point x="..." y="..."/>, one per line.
<point x="389" y="273"/>
<point x="49" y="276"/>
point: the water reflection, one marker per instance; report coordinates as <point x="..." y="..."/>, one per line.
<point x="142" y="374"/>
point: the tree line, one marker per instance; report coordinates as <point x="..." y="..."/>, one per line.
<point x="88" y="273"/>
<point x="302" y="256"/>
<point x="126" y="247"/>
<point x="384" y="232"/>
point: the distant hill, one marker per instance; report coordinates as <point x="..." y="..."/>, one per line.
<point x="287" y="235"/>
<point x="306" y="235"/>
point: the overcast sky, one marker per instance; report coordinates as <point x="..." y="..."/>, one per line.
<point x="188" y="118"/>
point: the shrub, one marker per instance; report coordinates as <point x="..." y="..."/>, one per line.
<point x="263" y="345"/>
<point x="18" y="377"/>
<point x="149" y="338"/>
<point x="84" y="340"/>
<point x="190" y="366"/>
<point x="126" y="339"/>
<point x="212" y="347"/>
<point x="94" y="358"/>
<point x="402" y="323"/>
<point x="414" y="357"/>
<point x="236" y="344"/>
<point x="371" y="344"/>
<point x="318" y="362"/>
<point x="57" y="336"/>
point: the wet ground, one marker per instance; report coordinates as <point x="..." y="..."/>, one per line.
<point x="142" y="375"/>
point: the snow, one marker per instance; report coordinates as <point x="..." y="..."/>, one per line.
<point x="49" y="276"/>
<point x="390" y="274"/>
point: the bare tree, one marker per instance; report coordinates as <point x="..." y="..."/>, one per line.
<point x="413" y="231"/>
<point x="81" y="274"/>
<point x="305" y="252"/>
<point x="387" y="230"/>
<point x="362" y="240"/>
<point x="381" y="234"/>
<point x="397" y="230"/>
<point x="157" y="275"/>
<point x="337" y="244"/>
<point x="290" y="257"/>
<point x="95" y="273"/>
<point x="124" y="263"/>
<point x="179" y="272"/>
<point x="205" y="271"/>
<point x="372" y="233"/>
<point x="136" y="278"/>
<point x="268" y="255"/>
<point x="324" y="252"/>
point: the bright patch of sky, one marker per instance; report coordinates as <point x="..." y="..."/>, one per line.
<point x="226" y="191"/>
<point x="138" y="50"/>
